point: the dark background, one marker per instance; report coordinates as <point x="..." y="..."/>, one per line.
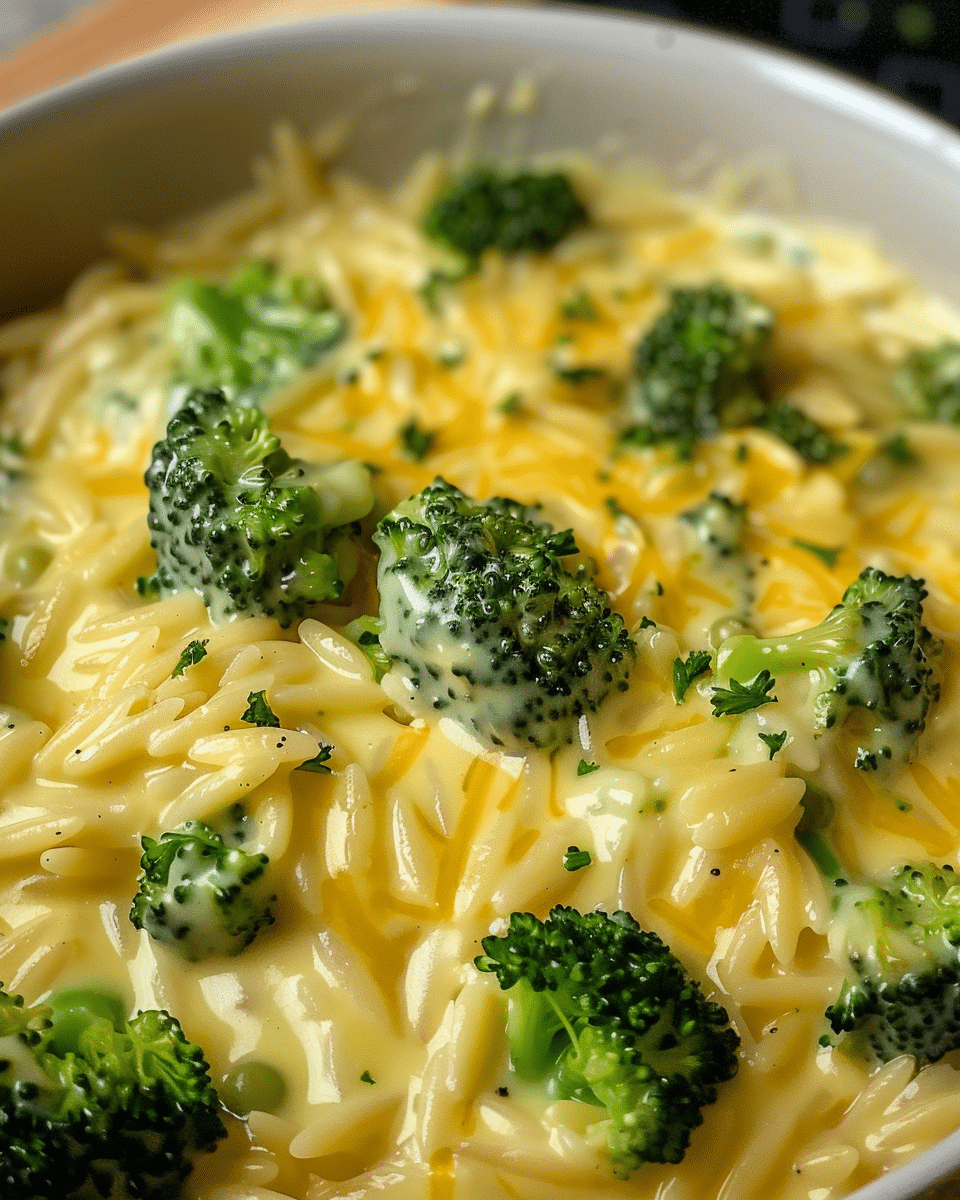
<point x="909" y="48"/>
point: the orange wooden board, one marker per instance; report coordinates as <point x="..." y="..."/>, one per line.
<point x="108" y="32"/>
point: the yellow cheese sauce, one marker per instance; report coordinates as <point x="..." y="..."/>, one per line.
<point x="391" y="869"/>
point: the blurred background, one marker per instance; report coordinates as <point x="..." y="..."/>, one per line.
<point x="909" y="47"/>
<point x="21" y="19"/>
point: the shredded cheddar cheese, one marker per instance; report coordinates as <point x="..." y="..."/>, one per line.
<point x="393" y="866"/>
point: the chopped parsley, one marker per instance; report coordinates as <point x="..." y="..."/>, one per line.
<point x="431" y="290"/>
<point x="259" y="711"/>
<point x="579" y="307"/>
<point x="417" y="442"/>
<point x="191" y="655"/>
<point x="576" y="859"/>
<point x="899" y="451"/>
<point x="12" y="455"/>
<point x="581" y="374"/>
<point x="774" y="741"/>
<point x="317" y="764"/>
<point x="685" y="672"/>
<point x="827" y="554"/>
<point x="742" y="697"/>
<point x="587" y="768"/>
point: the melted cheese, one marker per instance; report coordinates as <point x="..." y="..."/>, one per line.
<point x="391" y="869"/>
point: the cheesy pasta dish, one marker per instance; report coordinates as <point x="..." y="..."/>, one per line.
<point x="479" y="700"/>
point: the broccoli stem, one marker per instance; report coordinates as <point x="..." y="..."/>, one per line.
<point x="822" y="854"/>
<point x="818" y="649"/>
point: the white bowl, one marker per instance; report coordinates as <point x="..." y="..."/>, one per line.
<point x="173" y="131"/>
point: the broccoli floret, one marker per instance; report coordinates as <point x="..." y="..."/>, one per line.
<point x="815" y="444"/>
<point x="928" y="383"/>
<point x="252" y="333"/>
<point x="201" y="893"/>
<point x="719" y="524"/>
<point x="870" y="654"/>
<point x="95" y="1105"/>
<point x="601" y="1011"/>
<point x="234" y="518"/>
<point x="900" y="942"/>
<point x="487" y="209"/>
<point x="700" y="368"/>
<point x="484" y="623"/>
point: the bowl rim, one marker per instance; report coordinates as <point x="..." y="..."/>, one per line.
<point x="821" y="82"/>
<point x="562" y="24"/>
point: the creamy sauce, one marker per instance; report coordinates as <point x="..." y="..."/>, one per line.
<point x="389" y="870"/>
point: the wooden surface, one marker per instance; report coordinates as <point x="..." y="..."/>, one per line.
<point x="112" y="30"/>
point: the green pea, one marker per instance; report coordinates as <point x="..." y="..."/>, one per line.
<point x="25" y="563"/>
<point x="76" y="1009"/>
<point x="253" y="1086"/>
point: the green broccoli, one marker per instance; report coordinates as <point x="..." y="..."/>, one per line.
<point x="486" y="209"/>
<point x="484" y="623"/>
<point x="700" y="368"/>
<point x="200" y="892"/>
<point x="928" y="383"/>
<point x="900" y="942"/>
<point x="815" y="444"/>
<point x="870" y="654"/>
<point x="601" y="1011"/>
<point x="95" y="1105"/>
<point x="251" y="334"/>
<point x="898" y="451"/>
<point x="234" y="518"/>
<point x="719" y="524"/>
